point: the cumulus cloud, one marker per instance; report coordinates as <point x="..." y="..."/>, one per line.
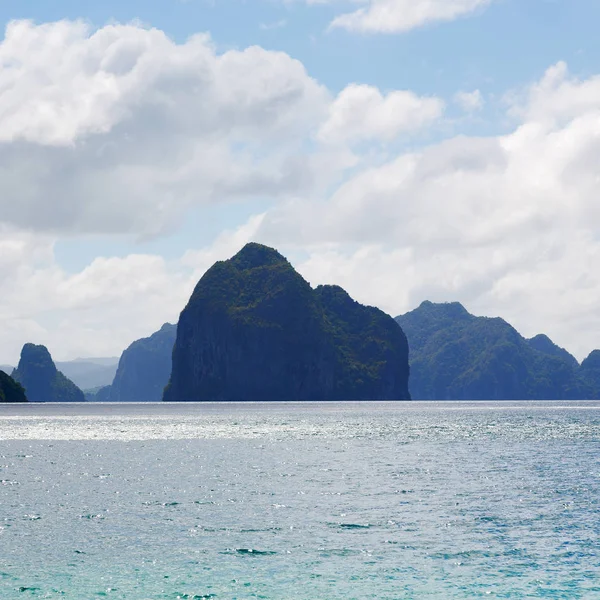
<point x="62" y="81"/>
<point x="558" y="98"/>
<point x="121" y="129"/>
<point x="394" y="16"/>
<point x="101" y="309"/>
<point x="98" y="310"/>
<point x="361" y="112"/>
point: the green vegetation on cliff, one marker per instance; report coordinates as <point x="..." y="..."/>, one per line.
<point x="11" y="390"/>
<point x="544" y="344"/>
<point x="590" y="373"/>
<point x="254" y="329"/>
<point x="38" y="374"/>
<point x="457" y="356"/>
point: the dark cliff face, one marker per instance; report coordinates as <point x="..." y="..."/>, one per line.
<point x="372" y="349"/>
<point x="590" y="373"/>
<point x="11" y="390"/>
<point x="457" y="356"/>
<point x="254" y="329"/>
<point x="144" y="369"/>
<point x="37" y="373"/>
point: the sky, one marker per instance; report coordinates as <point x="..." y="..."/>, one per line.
<point x="407" y="150"/>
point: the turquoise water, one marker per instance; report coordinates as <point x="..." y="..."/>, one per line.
<point x="387" y="501"/>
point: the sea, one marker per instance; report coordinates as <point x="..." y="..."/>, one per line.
<point x="288" y="501"/>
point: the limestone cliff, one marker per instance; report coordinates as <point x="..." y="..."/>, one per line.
<point x="254" y="329"/>
<point x="144" y="369"/>
<point x="42" y="381"/>
<point x="10" y="390"/>
<point x="458" y="356"/>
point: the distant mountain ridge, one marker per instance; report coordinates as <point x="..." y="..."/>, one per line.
<point x="144" y="369"/>
<point x="254" y="329"/>
<point x="103" y="361"/>
<point x="458" y="356"/>
<point x="87" y="373"/>
<point x="42" y="381"/>
<point x="454" y="355"/>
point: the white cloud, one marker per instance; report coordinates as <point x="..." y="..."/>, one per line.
<point x="393" y="16"/>
<point x="62" y="82"/>
<point x="100" y="310"/>
<point x="121" y="129"/>
<point x="96" y="310"/>
<point x="470" y="101"/>
<point x="559" y="98"/>
<point x="361" y="112"/>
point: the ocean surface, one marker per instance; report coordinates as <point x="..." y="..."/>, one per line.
<point x="300" y="501"/>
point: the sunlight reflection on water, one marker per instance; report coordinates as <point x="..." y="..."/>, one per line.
<point x="345" y="500"/>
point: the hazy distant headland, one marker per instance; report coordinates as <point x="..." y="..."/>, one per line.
<point x="458" y="356"/>
<point x="254" y="329"/>
<point x="143" y="371"/>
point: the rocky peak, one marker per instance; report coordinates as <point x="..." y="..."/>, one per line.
<point x="542" y="343"/>
<point x="38" y="374"/>
<point x="450" y="310"/>
<point x="254" y="329"/>
<point x="254" y="255"/>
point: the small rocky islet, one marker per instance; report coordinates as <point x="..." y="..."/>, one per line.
<point x="40" y="378"/>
